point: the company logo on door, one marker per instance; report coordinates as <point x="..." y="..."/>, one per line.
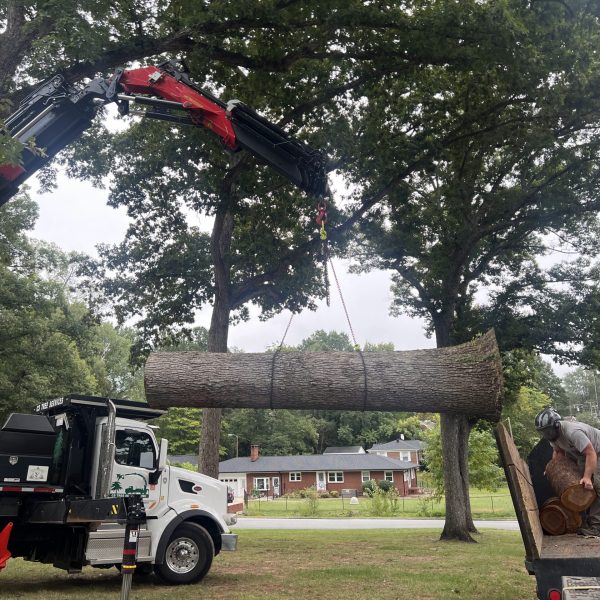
<point x="125" y="485"/>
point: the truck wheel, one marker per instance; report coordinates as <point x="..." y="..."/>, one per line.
<point x="188" y="555"/>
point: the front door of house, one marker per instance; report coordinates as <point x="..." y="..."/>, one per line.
<point x="321" y="481"/>
<point x="275" y="487"/>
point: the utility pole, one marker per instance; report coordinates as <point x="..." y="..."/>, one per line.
<point x="237" y="443"/>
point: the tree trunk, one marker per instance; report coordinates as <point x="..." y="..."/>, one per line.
<point x="464" y="430"/>
<point x="466" y="379"/>
<point x="455" y="431"/>
<point x="564" y="476"/>
<point x="556" y="519"/>
<point x="210" y="433"/>
<point x="456" y="526"/>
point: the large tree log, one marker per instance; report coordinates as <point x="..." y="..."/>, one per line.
<point x="564" y="476"/>
<point x="464" y="379"/>
<point x="556" y="519"/>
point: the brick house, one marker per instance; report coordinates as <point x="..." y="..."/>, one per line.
<point x="404" y="450"/>
<point x="344" y="473"/>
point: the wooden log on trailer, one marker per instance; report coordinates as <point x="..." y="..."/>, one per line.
<point x="557" y="519"/>
<point x="463" y="379"/>
<point x="564" y="476"/>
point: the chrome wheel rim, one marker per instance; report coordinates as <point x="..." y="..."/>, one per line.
<point x="182" y="555"/>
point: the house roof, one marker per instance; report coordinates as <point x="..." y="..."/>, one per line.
<point x="344" y="450"/>
<point x="316" y="462"/>
<point x="400" y="445"/>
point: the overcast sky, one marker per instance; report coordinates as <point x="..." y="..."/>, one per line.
<point x="76" y="217"/>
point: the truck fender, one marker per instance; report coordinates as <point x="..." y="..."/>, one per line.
<point x="194" y="516"/>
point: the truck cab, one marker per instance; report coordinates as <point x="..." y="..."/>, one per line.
<point x="67" y="471"/>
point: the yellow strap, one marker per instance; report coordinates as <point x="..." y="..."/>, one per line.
<point x="323" y="232"/>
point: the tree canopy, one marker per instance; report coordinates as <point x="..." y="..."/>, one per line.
<point x="466" y="131"/>
<point x="50" y="343"/>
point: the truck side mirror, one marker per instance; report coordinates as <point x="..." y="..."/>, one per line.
<point x="154" y="476"/>
<point x="162" y="454"/>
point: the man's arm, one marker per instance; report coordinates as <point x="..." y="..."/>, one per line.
<point x="590" y="466"/>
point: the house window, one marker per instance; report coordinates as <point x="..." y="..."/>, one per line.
<point x="365" y="476"/>
<point x="335" y="477"/>
<point x="388" y="475"/>
<point x="297" y="476"/>
<point x="404" y="455"/>
<point x="261" y="484"/>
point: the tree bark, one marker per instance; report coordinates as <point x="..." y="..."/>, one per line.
<point x="455" y="430"/>
<point x="464" y="430"/>
<point x="210" y="433"/>
<point x="456" y="526"/>
<point x="564" y="476"/>
<point x="464" y="379"/>
<point x="556" y="519"/>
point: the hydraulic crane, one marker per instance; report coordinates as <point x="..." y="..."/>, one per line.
<point x="57" y="113"/>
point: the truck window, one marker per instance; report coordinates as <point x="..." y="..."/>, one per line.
<point x="135" y="449"/>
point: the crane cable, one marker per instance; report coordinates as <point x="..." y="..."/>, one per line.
<point x="327" y="261"/>
<point x="356" y="345"/>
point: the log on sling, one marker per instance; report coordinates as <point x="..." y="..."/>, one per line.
<point x="464" y="379"/>
<point x="557" y="519"/>
<point x="564" y="476"/>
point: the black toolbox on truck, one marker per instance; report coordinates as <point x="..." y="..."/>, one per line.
<point x="26" y="450"/>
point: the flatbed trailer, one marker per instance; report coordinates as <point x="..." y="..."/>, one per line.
<point x="551" y="558"/>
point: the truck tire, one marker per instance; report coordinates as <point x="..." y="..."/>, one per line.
<point x="188" y="555"/>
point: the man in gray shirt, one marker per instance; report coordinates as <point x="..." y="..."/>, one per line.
<point x="581" y="443"/>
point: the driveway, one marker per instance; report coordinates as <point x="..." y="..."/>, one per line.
<point x="254" y="523"/>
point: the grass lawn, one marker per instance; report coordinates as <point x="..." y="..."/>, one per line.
<point x="484" y="506"/>
<point x="380" y="564"/>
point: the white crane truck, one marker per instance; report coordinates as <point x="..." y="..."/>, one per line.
<point x="67" y="474"/>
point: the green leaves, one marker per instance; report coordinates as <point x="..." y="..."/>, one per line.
<point x="50" y="344"/>
<point x="484" y="469"/>
<point x="497" y="153"/>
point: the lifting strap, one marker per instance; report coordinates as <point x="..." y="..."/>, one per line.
<point x="321" y="220"/>
<point x="273" y="361"/>
<point x="356" y="345"/>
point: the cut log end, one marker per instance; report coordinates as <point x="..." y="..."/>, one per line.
<point x="564" y="476"/>
<point x="577" y="498"/>
<point x="556" y="519"/>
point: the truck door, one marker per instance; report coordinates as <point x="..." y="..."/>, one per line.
<point x="135" y="463"/>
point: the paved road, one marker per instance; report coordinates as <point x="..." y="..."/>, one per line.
<point x="252" y="523"/>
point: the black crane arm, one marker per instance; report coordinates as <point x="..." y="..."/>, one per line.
<point x="57" y="113"/>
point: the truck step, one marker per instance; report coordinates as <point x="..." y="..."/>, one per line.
<point x="106" y="546"/>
